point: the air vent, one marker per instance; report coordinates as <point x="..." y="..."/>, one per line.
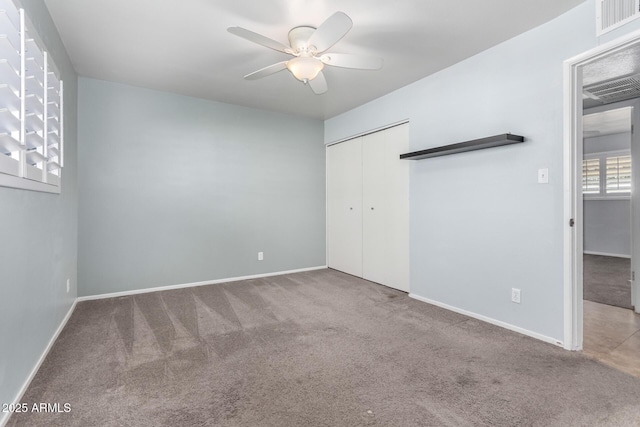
<point x="615" y="90"/>
<point x="611" y="14"/>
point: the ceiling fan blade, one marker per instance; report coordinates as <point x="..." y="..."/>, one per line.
<point x="319" y="84"/>
<point x="330" y="31"/>
<point x="345" y="60"/>
<point x="267" y="71"/>
<point x="259" y="39"/>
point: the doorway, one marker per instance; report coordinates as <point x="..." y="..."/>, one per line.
<point x="602" y="104"/>
<point x="607" y="207"/>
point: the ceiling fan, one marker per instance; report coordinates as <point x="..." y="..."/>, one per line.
<point x="308" y="46"/>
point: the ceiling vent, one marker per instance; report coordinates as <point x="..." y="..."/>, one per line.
<point x="611" y="14"/>
<point x="615" y="90"/>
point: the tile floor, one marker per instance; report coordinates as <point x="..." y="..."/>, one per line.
<point x="612" y="336"/>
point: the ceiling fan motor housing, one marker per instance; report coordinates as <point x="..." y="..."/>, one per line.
<point x="298" y="38"/>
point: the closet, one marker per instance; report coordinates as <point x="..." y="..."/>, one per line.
<point x="368" y="207"/>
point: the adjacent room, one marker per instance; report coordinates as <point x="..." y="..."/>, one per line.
<point x="319" y="213"/>
<point x="611" y="233"/>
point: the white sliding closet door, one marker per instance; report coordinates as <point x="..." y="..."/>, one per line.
<point x="344" y="206"/>
<point x="368" y="207"/>
<point x="385" y="215"/>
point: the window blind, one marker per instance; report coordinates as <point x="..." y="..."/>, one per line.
<point x="618" y="174"/>
<point x="31" y="104"/>
<point x="591" y="176"/>
<point x="10" y="104"/>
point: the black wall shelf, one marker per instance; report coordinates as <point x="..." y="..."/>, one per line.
<point x="461" y="147"/>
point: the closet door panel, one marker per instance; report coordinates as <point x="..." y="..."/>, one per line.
<point x="374" y="208"/>
<point x="344" y="207"/>
<point x="397" y="196"/>
<point x="386" y="208"/>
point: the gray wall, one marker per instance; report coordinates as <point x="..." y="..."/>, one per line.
<point x="615" y="142"/>
<point x="480" y="223"/>
<point x="607" y="227"/>
<point x="38" y="249"/>
<point x="178" y="190"/>
<point x="607" y="223"/>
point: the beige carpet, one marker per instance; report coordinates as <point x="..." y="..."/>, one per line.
<point x="313" y="349"/>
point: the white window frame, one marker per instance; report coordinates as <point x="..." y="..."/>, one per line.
<point x="40" y="136"/>
<point x="603" y="195"/>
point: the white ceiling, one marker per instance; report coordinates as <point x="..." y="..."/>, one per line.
<point x="621" y="63"/>
<point x="183" y="47"/>
<point x="609" y="69"/>
<point x="607" y="123"/>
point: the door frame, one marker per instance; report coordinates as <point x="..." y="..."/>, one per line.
<point x="573" y="244"/>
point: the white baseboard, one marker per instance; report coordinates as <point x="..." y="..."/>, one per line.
<point x="490" y="320"/>
<point x="607" y="254"/>
<point x="5" y="416"/>
<point x="190" y="285"/>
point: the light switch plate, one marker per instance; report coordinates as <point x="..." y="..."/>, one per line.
<point x="543" y="176"/>
<point x="515" y="295"/>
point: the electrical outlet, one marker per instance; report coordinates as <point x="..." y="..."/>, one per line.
<point x="68" y="285"/>
<point x="515" y="295"/>
<point x="260" y="256"/>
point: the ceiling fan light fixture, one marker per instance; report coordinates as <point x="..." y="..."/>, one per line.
<point x="305" y="68"/>
<point x="308" y="45"/>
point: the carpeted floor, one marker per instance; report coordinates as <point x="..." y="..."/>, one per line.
<point x="606" y="280"/>
<point x="313" y="349"/>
